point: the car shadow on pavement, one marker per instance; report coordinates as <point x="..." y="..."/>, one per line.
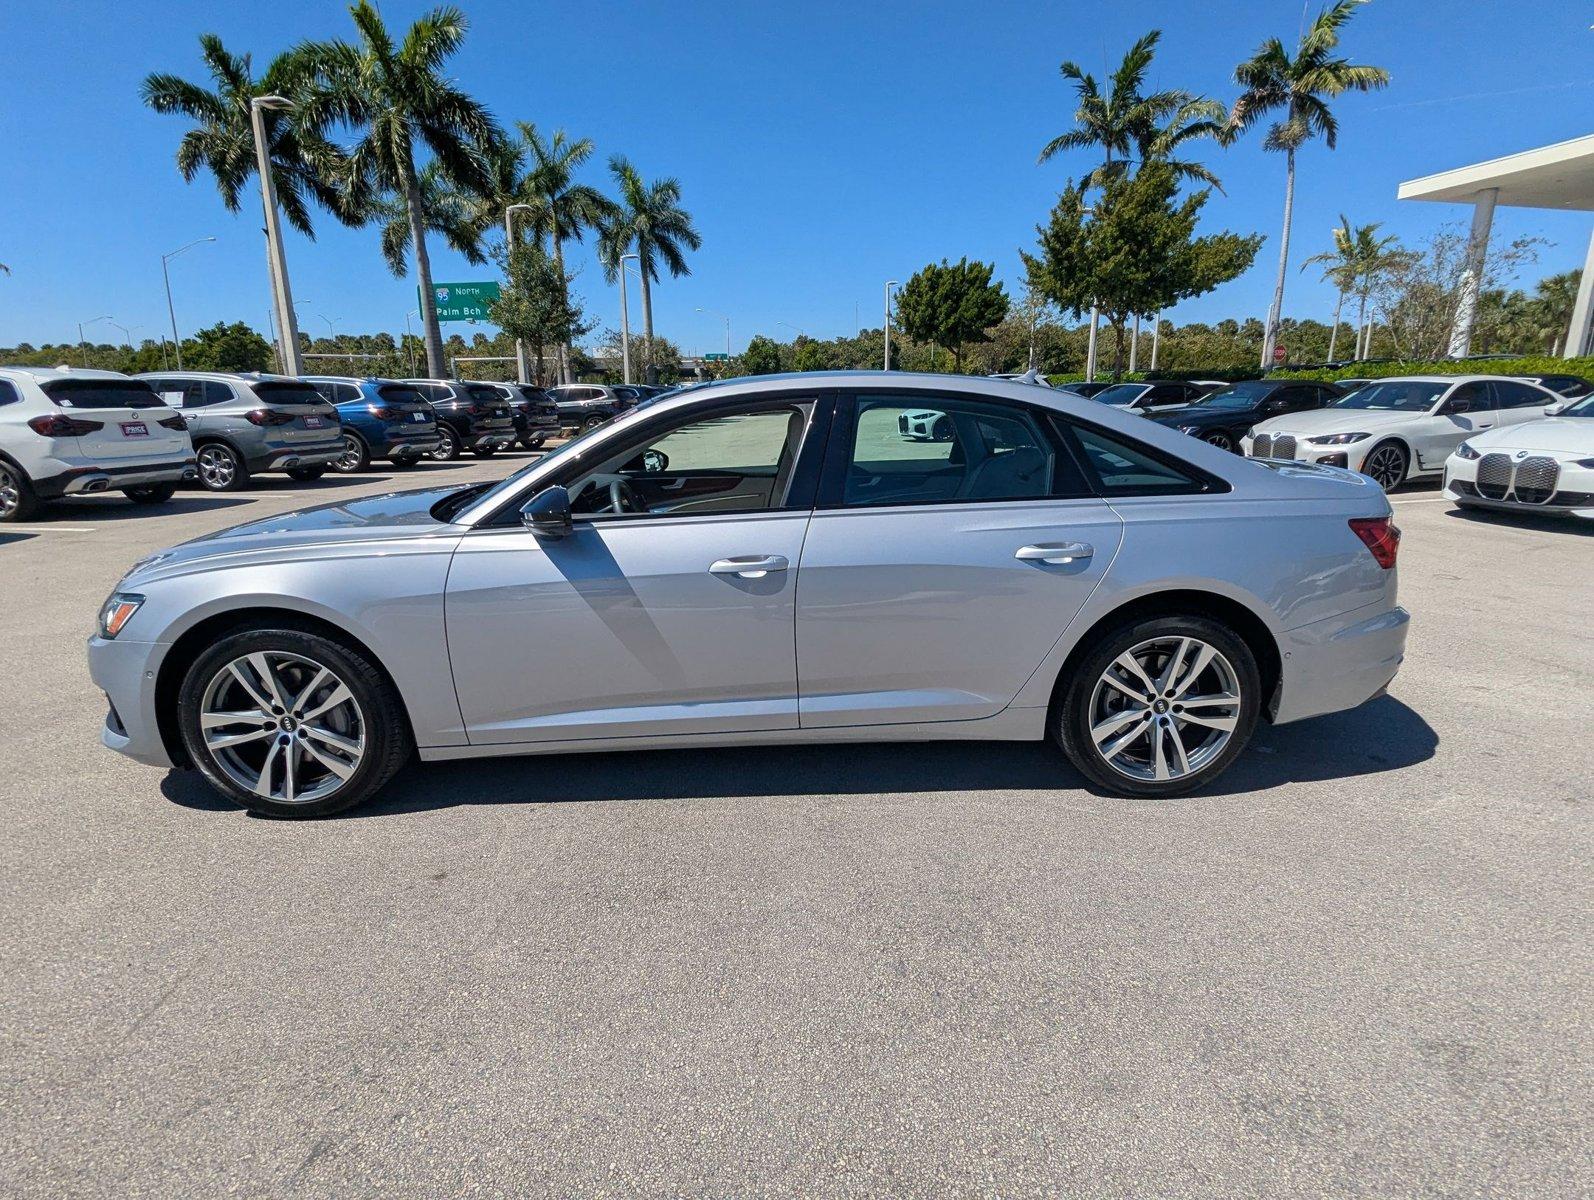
<point x="15" y="537"/>
<point x="1576" y="526"/>
<point x="1382" y="735"/>
<point x="81" y="510"/>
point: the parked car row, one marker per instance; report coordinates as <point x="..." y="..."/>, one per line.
<point x="68" y="431"/>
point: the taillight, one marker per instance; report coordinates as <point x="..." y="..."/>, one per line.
<point x="60" y="425"/>
<point x="268" y="416"/>
<point x="477" y="410"/>
<point x="1381" y="536"/>
<point x="171" y="423"/>
<point x="382" y="413"/>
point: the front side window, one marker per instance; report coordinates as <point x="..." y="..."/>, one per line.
<point x="944" y="449"/>
<point x="1122" y="394"/>
<point x="1470" y="397"/>
<point x="734" y="462"/>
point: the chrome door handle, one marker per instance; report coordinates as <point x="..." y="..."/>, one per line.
<point x="1055" y="552"/>
<point x="752" y="566"/>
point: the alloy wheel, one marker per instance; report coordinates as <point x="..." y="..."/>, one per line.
<point x="283" y="726"/>
<point x="447" y="444"/>
<point x="1164" y="709"/>
<point x="1220" y="440"/>
<point x="217" y="467"/>
<point x="353" y="456"/>
<point x="10" y="493"/>
<point x="1386" y="465"/>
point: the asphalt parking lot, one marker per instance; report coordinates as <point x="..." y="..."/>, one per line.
<point x="1361" y="965"/>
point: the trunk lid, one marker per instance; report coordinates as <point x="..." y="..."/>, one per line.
<point x="129" y="415"/>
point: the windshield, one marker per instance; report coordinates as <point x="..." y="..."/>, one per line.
<point x="1583" y="408"/>
<point x="1409" y="395"/>
<point x="1120" y="393"/>
<point x="102" y="393"/>
<point x="1239" y="395"/>
<point x="289" y="393"/>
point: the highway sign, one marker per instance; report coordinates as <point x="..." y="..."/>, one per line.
<point x="714" y="357"/>
<point x="464" y="301"/>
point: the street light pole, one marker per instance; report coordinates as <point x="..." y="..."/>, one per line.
<point x="1090" y="349"/>
<point x="82" y="350"/>
<point x="625" y="323"/>
<point x="727" y="321"/>
<point x="409" y="338"/>
<point x="521" y="371"/>
<point x="890" y="283"/>
<point x="287" y="325"/>
<point x="167" y="276"/>
<point x="792" y="327"/>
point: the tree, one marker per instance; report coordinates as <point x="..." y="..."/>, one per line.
<point x="225" y="347"/>
<point x="1358" y="258"/>
<point x="304" y="165"/>
<point x="1298" y="89"/>
<point x="951" y="304"/>
<point x="535" y="304"/>
<point x="762" y="356"/>
<point x="445" y="211"/>
<point x="811" y="355"/>
<point x="1136" y="253"/>
<point x="394" y="94"/>
<point x="1416" y="291"/>
<point x="650" y="223"/>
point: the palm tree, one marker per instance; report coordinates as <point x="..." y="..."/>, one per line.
<point x="1298" y="88"/>
<point x="445" y="210"/>
<point x="396" y="95"/>
<point x="562" y="208"/>
<point x="1340" y="270"/>
<point x="222" y="142"/>
<point x="651" y="224"/>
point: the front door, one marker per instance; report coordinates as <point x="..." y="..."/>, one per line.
<point x="668" y="611"/>
<point x="955" y="539"/>
<point x="1468" y="409"/>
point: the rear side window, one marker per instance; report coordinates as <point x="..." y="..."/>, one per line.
<point x="101" y="393"/>
<point x="1122" y="468"/>
<point x="1520" y="395"/>
<point x="8" y="393"/>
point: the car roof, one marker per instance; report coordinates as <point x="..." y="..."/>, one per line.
<point x="221" y="376"/>
<point x="64" y="371"/>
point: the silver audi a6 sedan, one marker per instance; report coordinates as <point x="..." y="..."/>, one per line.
<point x="772" y="560"/>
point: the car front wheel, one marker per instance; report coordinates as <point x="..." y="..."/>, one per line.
<point x="447" y="448"/>
<point x="1159" y="707"/>
<point x="1219" y="439"/>
<point x="1386" y="465"/>
<point x="150" y="493"/>
<point x="291" y="723"/>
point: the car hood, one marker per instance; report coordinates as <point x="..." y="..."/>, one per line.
<point x="1196" y="414"/>
<point x="325" y="528"/>
<point x="1334" y="420"/>
<point x="1554" y="435"/>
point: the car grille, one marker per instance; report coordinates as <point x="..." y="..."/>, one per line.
<point x="1262" y="446"/>
<point x="1536" y="479"/>
<point x="1494" y="476"/>
<point x="1284" y="446"/>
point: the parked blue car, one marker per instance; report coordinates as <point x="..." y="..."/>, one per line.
<point x="382" y="418"/>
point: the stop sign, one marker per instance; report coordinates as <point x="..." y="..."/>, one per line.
<point x="1279" y="353"/>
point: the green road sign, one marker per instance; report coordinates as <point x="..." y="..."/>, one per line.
<point x="715" y="357"/>
<point x="464" y="301"/>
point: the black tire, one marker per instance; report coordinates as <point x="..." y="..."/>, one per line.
<point x="403" y="462"/>
<point x="385" y="724"/>
<point x="356" y="455"/>
<point x="18" y="500"/>
<point x="1219" y="439"/>
<point x="447" y="444"/>
<point x="484" y="451"/>
<point x="221" y="468"/>
<point x="532" y="443"/>
<point x="150" y="493"/>
<point x="1392" y="453"/>
<point x="306" y="474"/>
<point x="1071" y="716"/>
<point x="592" y="423"/>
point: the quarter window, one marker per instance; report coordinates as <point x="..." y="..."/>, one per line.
<point x="1123" y="469"/>
<point x="8" y="393"/>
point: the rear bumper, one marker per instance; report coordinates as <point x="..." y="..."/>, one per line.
<point x="310" y="454"/>
<point x="491" y="439"/>
<point x="88" y="478"/>
<point x="126" y="672"/>
<point x="1329" y="666"/>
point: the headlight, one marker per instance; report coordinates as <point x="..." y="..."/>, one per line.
<point x="117" y="611"/>
<point x="1337" y="439"/>
<point x="1587" y="463"/>
<point x="1466" y="451"/>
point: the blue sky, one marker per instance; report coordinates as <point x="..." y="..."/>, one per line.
<point x="822" y="147"/>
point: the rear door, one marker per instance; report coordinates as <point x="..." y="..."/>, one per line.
<point x="936" y="576"/>
<point x="128" y="415"/>
<point x="1518" y="402"/>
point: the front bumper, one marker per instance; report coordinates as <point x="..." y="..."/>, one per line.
<point x="1521" y="486"/>
<point x="81" y="479"/>
<point x="1338" y="663"/>
<point x="126" y="672"/>
<point x="1349" y="456"/>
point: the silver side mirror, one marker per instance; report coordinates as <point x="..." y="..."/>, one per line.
<point x="547" y="514"/>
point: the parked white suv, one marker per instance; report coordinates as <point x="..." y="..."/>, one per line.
<point x="71" y="432"/>
<point x="1399" y="429"/>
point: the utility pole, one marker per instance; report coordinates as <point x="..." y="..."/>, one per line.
<point x="509" y="260"/>
<point x="625" y="323"/>
<point x="890" y="283"/>
<point x="170" y="311"/>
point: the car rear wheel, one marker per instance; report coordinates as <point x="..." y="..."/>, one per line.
<point x="355" y="456"/>
<point x="447" y="449"/>
<point x="484" y="451"/>
<point x="1219" y="439"/>
<point x="17" y="499"/>
<point x="221" y="469"/>
<point x="306" y="474"/>
<point x="291" y="723"/>
<point x="592" y="423"/>
<point x="1159" y="707"/>
<point x="1386" y="465"/>
<point x="151" y="493"/>
<point x="532" y="443"/>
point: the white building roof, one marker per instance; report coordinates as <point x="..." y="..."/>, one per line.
<point x="1558" y="176"/>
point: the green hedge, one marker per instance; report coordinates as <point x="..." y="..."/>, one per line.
<point x="1539" y="364"/>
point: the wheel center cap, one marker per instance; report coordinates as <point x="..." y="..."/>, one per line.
<point x="287" y="724"/>
<point x="1159" y="707"/>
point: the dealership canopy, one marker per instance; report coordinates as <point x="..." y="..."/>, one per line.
<point x="1559" y="176"/>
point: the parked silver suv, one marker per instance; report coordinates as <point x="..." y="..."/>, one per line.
<point x="245" y="424"/>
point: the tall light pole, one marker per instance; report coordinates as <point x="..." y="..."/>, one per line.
<point x="524" y="376"/>
<point x="890" y="283"/>
<point x="625" y="323"/>
<point x="1156" y="339"/>
<point x="167" y="276"/>
<point x="792" y="327"/>
<point x="409" y="338"/>
<point x="332" y="333"/>
<point x="727" y="321"/>
<point x="82" y="350"/>
<point x="282" y="293"/>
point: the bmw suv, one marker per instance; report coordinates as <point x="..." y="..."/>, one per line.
<point x="382" y="418"/>
<point x="470" y="416"/>
<point x="535" y="412"/>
